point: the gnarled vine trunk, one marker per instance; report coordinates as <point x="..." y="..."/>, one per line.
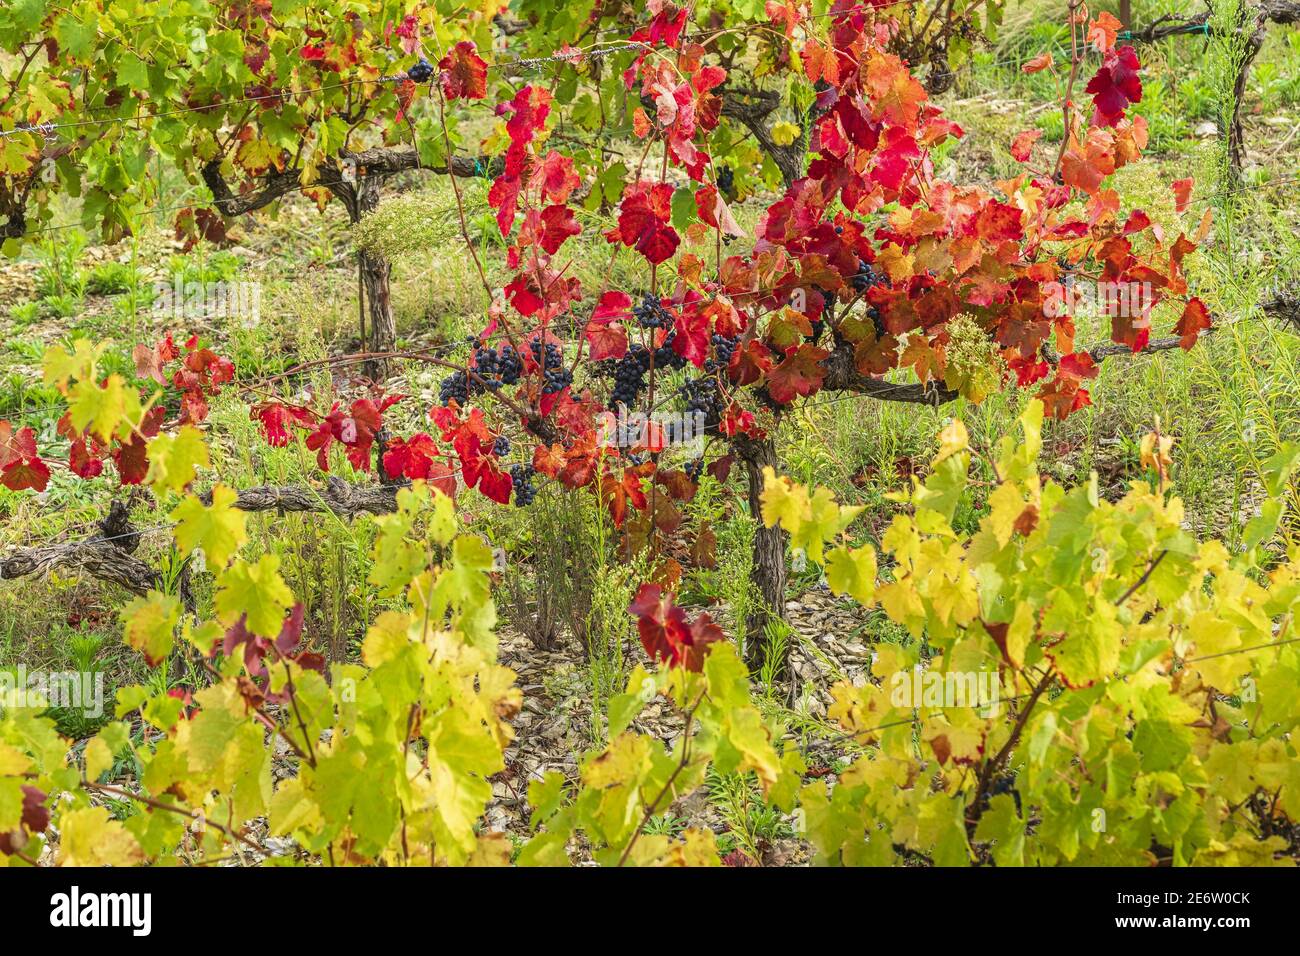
<point x="378" y="326"/>
<point x="1236" y="131"/>
<point x="769" y="556"/>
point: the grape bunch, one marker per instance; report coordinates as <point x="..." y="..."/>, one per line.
<point x="1006" y="784"/>
<point x="553" y="354"/>
<point x="629" y="377"/>
<point x="727" y="181"/>
<point x="499" y="369"/>
<point x="629" y="372"/>
<point x="555" y="376"/>
<point x="866" y="277"/>
<point x="723" y="349"/>
<point x="509" y="365"/>
<point x="665" y="357"/>
<point x="421" y="72"/>
<point x="521" y="477"/>
<point x="874" y="314"/>
<point x="455" y="385"/>
<point x="490" y="372"/>
<point x="486" y="369"/>
<point x="694" y="469"/>
<point x="828" y="305"/>
<point x="703" y="395"/>
<point x="651" y="314"/>
<point x="501" y="447"/>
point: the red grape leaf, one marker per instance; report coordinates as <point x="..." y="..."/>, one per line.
<point x="1115" y="85"/>
<point x="464" y="74"/>
<point x="1195" y="320"/>
<point x="799" y="374"/>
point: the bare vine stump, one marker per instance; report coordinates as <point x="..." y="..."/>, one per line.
<point x="1236" y="133"/>
<point x="769" y="557"/>
<point x="378" y="328"/>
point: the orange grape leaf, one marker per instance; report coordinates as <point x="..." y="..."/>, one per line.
<point x="1039" y="63"/>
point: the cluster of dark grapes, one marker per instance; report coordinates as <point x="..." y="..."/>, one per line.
<point x="874" y="314"/>
<point x="496" y="369"/>
<point x="454" y="386"/>
<point x="508" y="366"/>
<point x="665" y="357"/>
<point x="694" y="468"/>
<point x="521" y="477"/>
<point x="555" y="376"/>
<point x="501" y="447"/>
<point x="828" y="303"/>
<point x="629" y="372"/>
<point x="651" y="314"/>
<point x="866" y="277"/>
<point x="703" y="395"/>
<point x="1006" y="784"/>
<point x="421" y="72"/>
<point x="723" y="349"/>
<point x="492" y="370"/>
<point x="726" y="180"/>
<point x="629" y="376"/>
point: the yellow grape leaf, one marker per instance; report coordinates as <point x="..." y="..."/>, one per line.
<point x="150" y="623"/>
<point x="292" y="809"/>
<point x="386" y="638"/>
<point x="852" y="571"/>
<point x="1002" y="827"/>
<point x="218" y="529"/>
<point x="1020" y="634"/>
<point x="11" y="803"/>
<point x="100" y="408"/>
<point x="810" y="521"/>
<point x="255" y="590"/>
<point x="625" y="761"/>
<point x="1155" y="451"/>
<point x="825" y="520"/>
<point x="952" y="439"/>
<point x="785" y="133"/>
<point x="492" y="849"/>
<point x="957" y="734"/>
<point x="90" y="837"/>
<point x="785" y="502"/>
<point x="1005" y="508"/>
<point x="442" y="523"/>
<point x="747" y="745"/>
<point x="98" y="758"/>
<point x="174" y="460"/>
<point x="100" y="750"/>
<point x="459" y="803"/>
<point x="1215" y="638"/>
<point x="13" y="761"/>
<point x="58" y="366"/>
<point x="1243" y="850"/>
<point x="698" y="847"/>
<point x="896" y="263"/>
<point x="257" y="155"/>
